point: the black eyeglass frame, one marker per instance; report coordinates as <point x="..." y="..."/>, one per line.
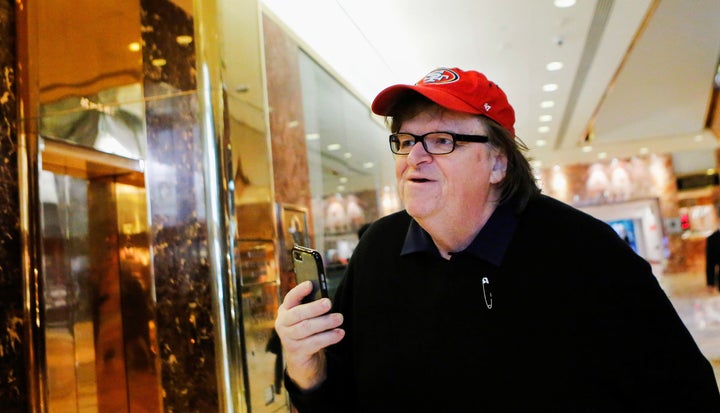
<point x="456" y="137"/>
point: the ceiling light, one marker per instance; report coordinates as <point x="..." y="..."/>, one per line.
<point x="368" y="165"/>
<point x="333" y="147"/>
<point x="544" y="129"/>
<point x="312" y="136"/>
<point x="541" y="142"/>
<point x="554" y="66"/>
<point x="341" y="188"/>
<point x="587" y="148"/>
<point x="545" y="118"/>
<point x="564" y="3"/>
<point x="134" y="47"/>
<point x="644" y="151"/>
<point x="159" y="62"/>
<point x="293" y="124"/>
<point x="550" y="87"/>
<point x="184" y="40"/>
<point x="347" y="155"/>
<point x="602" y="155"/>
<point x="343" y="179"/>
<point x="547" y="104"/>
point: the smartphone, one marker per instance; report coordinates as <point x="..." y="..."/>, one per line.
<point x="308" y="265"/>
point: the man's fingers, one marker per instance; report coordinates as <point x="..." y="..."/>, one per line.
<point x="311" y="326"/>
<point x="313" y="344"/>
<point x="296" y="295"/>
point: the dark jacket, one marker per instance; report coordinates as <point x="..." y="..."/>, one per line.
<point x="712" y="258"/>
<point x="577" y="323"/>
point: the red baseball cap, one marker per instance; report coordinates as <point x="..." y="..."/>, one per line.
<point x="455" y="89"/>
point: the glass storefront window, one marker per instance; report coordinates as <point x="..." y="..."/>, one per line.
<point x="352" y="175"/>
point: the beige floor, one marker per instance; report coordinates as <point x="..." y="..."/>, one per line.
<point x="699" y="307"/>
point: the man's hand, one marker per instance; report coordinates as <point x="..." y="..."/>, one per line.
<point x="305" y="330"/>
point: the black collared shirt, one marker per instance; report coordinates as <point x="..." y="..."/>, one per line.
<point x="490" y="244"/>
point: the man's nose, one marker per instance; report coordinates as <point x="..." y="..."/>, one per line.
<point x="418" y="153"/>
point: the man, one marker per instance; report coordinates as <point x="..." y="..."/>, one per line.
<point x="484" y="295"/>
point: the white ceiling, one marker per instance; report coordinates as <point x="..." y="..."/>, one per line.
<point x="637" y="73"/>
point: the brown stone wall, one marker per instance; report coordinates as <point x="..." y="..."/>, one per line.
<point x="287" y="130"/>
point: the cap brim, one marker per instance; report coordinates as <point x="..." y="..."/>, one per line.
<point x="385" y="100"/>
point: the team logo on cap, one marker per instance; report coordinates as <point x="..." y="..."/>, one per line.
<point x="439" y="76"/>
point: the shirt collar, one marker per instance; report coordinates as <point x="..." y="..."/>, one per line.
<point x="490" y="243"/>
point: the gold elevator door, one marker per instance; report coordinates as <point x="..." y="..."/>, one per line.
<point x="98" y="299"/>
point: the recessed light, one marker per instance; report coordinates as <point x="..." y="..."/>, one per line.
<point x="159" y="62"/>
<point x="564" y="3"/>
<point x="184" y="40"/>
<point x="334" y="147"/>
<point x="541" y="142"/>
<point x="343" y="179"/>
<point x="545" y="118"/>
<point x="587" y="148"/>
<point x="312" y="136"/>
<point x="347" y="155"/>
<point x="547" y="104"/>
<point x="602" y="155"/>
<point x="341" y="188"/>
<point x="544" y="129"/>
<point x="134" y="47"/>
<point x="368" y="165"/>
<point x="554" y="66"/>
<point x="550" y="87"/>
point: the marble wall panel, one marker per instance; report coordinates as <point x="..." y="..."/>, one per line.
<point x="289" y="153"/>
<point x="13" y="371"/>
<point x="287" y="131"/>
<point x="179" y="230"/>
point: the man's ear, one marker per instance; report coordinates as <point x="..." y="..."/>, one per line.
<point x="499" y="168"/>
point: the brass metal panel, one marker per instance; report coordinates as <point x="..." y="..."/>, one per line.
<point x="101" y="347"/>
<point x="84" y="47"/>
<point x="78" y="161"/>
<point x="264" y="355"/>
<point x="137" y="301"/>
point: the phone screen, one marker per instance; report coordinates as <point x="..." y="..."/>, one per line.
<point x="308" y="265"/>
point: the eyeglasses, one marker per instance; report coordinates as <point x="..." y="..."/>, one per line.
<point x="435" y="143"/>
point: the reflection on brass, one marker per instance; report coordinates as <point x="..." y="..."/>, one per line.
<point x="69" y="159"/>
<point x="264" y="355"/>
<point x="142" y="361"/>
<point x="83" y="49"/>
<point x="101" y="346"/>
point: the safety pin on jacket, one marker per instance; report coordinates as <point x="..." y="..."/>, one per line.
<point x="487" y="293"/>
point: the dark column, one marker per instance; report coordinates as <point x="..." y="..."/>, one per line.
<point x="13" y="371"/>
<point x="179" y="230"/>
